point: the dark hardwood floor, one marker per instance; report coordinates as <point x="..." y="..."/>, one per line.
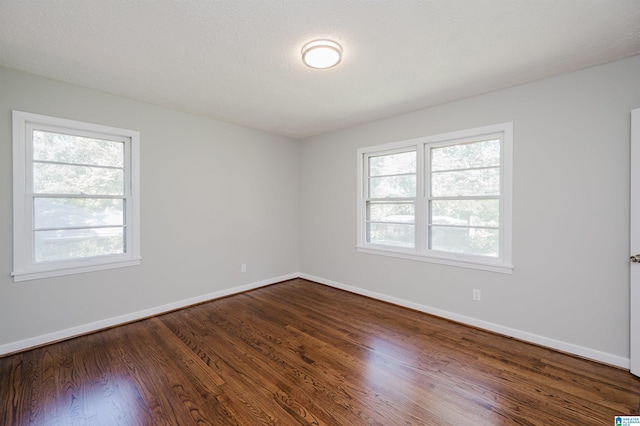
<point x="302" y="353"/>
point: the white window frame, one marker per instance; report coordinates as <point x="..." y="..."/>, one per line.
<point x="421" y="251"/>
<point x="24" y="266"/>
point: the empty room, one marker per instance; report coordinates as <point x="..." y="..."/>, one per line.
<point x="328" y="212"/>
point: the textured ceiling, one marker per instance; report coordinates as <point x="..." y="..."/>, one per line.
<point x="239" y="60"/>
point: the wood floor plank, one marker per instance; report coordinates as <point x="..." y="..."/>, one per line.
<point x="230" y="360"/>
<point x="300" y="353"/>
<point x="263" y="366"/>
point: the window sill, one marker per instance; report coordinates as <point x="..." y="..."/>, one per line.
<point x="70" y="270"/>
<point x="458" y="261"/>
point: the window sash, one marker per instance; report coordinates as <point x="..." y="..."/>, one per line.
<point x="464" y="194"/>
<point x="393" y="233"/>
<point x="34" y="248"/>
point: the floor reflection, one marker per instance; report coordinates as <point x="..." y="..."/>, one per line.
<point x="106" y="401"/>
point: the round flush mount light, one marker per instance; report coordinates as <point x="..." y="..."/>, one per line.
<point x="321" y="54"/>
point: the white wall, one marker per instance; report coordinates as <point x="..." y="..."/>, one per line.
<point x="214" y="195"/>
<point x="570" y="286"/>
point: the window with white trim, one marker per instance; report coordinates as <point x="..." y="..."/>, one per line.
<point x="76" y="197"/>
<point x="443" y="199"/>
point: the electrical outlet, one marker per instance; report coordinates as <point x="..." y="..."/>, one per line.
<point x="243" y="267"/>
<point x="476" y="295"/>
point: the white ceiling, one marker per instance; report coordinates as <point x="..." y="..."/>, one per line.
<point x="239" y="60"/>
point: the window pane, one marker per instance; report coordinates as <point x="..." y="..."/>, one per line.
<point x="391" y="235"/>
<point x="474" y="241"/>
<point x="75" y="212"/>
<point x="466" y="156"/>
<point x="77" y="243"/>
<point x="391" y="212"/>
<point x="49" y="146"/>
<point x="393" y="164"/>
<point x="466" y="212"/>
<point x="466" y="182"/>
<point x="64" y="179"/>
<point x="392" y="187"/>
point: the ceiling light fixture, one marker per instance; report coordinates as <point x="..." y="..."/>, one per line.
<point x="321" y="54"/>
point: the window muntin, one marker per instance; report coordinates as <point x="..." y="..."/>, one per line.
<point x="460" y="211"/>
<point x="76" y="185"/>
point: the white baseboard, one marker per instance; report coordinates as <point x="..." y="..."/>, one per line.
<point x="570" y="348"/>
<point x="68" y="333"/>
<point x="44" y="339"/>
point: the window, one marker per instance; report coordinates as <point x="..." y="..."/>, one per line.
<point x="76" y="197"/>
<point x="443" y="199"/>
